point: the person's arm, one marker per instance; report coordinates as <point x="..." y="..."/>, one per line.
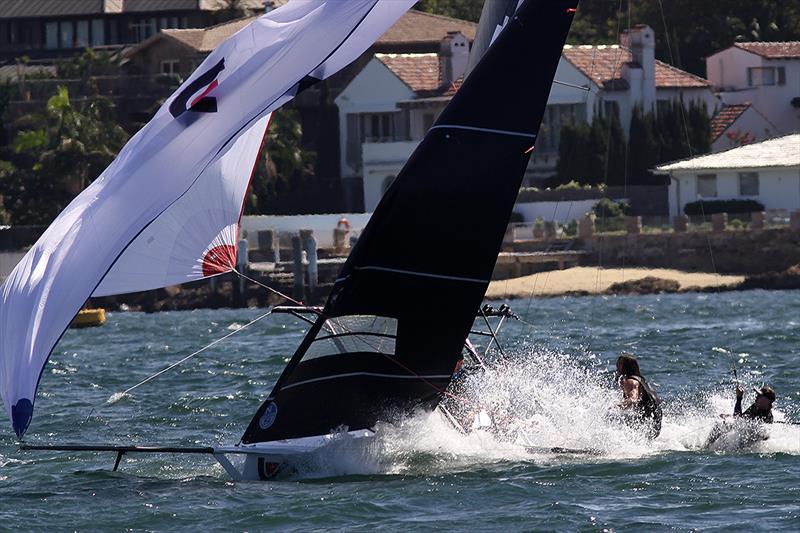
<point x="737" y="409"/>
<point x="630" y="393"/>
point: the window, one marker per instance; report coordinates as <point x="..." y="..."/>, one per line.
<point x="427" y="122"/>
<point x="67" y="35"/>
<point x="98" y="32"/>
<point x="82" y="40"/>
<point x="748" y="184"/>
<point x="707" y="185"/>
<point x="358" y="333"/>
<point x="555" y="116"/>
<point x="51" y="35"/>
<point x="377" y="127"/>
<point x="757" y="76"/>
<point x="170" y="67"/>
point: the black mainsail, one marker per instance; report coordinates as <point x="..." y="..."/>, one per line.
<point x="384" y="343"/>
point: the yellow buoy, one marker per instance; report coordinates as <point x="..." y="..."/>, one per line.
<point x="89" y="317"/>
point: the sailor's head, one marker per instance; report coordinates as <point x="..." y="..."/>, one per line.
<point x="765" y="396"/>
<point x="627" y="365"/>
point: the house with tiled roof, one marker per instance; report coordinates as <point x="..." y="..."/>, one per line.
<point x="767" y="172"/>
<point x="766" y="74"/>
<point x="46" y="29"/>
<point x="410" y="47"/>
<point x="739" y="124"/>
<point x="590" y="80"/>
<point x="389" y="106"/>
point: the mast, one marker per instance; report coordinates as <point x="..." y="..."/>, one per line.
<point x="392" y="331"/>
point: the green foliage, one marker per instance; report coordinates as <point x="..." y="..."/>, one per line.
<point x="706" y="207"/>
<point x="58" y="154"/>
<point x="608" y="208"/>
<point x="599" y="155"/>
<point x="695" y="29"/>
<point x="460" y="9"/>
<point x="283" y="166"/>
<point x="592" y="155"/>
<point x="571" y="228"/>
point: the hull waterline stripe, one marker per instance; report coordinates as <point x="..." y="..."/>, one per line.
<point x="423" y="274"/>
<point x="370" y="374"/>
<point x="484" y="130"/>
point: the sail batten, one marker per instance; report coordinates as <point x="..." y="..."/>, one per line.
<point x="465" y="173"/>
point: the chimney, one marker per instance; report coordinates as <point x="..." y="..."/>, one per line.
<point x="453" y="57"/>
<point x="641" y="41"/>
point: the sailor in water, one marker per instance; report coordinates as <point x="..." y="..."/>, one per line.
<point x="640" y="403"/>
<point x="745" y="428"/>
<point x="761" y="409"/>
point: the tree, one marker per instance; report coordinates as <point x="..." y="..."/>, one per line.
<point x="643" y="149"/>
<point x="58" y="154"/>
<point x="460" y="9"/>
<point x="283" y="165"/>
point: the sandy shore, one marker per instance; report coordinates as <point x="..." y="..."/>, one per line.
<point x="594" y="280"/>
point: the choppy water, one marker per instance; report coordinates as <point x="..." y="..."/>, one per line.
<point x="556" y="389"/>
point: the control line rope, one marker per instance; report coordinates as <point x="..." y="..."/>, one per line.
<point x="119" y="395"/>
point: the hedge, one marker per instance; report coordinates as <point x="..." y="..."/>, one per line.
<point x="705" y="207"/>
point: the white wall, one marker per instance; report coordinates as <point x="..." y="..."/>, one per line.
<point x="751" y="124"/>
<point x="778" y="188"/>
<point x="727" y="70"/>
<point x="561" y="212"/>
<point x="322" y="225"/>
<point x="382" y="160"/>
<point x="8" y="260"/>
<point x="374" y="90"/>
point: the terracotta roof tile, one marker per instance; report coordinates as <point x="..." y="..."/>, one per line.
<point x="603" y="65"/>
<point x="413" y="27"/>
<point x="773" y="50"/>
<point x="419" y="71"/>
<point x="418" y="27"/>
<point x="725" y="118"/>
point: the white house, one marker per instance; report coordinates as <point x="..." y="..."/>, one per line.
<point x="739" y="124"/>
<point x="766" y="74"/>
<point x="386" y="110"/>
<point x="767" y="171"/>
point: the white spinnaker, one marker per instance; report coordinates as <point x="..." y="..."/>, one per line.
<point x="197" y="236"/>
<point x="261" y="67"/>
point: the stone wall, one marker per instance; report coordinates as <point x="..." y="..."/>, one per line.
<point x="733" y="252"/>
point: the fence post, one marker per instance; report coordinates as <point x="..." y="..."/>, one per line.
<point x="680" y="223"/>
<point x="310" y="247"/>
<point x="633" y="225"/>
<point x="297" y="268"/>
<point x="794" y="220"/>
<point x="586" y="227"/>
<point x="757" y="220"/>
<point x="269" y="242"/>
<point x="718" y="222"/>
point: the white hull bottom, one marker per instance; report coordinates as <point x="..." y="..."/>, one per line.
<point x="340" y="453"/>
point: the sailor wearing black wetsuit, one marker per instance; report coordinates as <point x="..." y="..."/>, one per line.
<point x="761" y="409"/>
<point x="638" y="395"/>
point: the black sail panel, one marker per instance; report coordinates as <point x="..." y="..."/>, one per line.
<point x="392" y="331"/>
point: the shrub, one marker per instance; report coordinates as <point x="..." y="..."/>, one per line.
<point x="608" y="208"/>
<point x="702" y="207"/>
<point x="516" y="217"/>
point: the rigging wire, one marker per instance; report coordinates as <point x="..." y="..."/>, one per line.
<point x="119" y="395"/>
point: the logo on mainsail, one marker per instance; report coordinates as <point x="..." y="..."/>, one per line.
<point x="268" y="418"/>
<point x="202" y="103"/>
